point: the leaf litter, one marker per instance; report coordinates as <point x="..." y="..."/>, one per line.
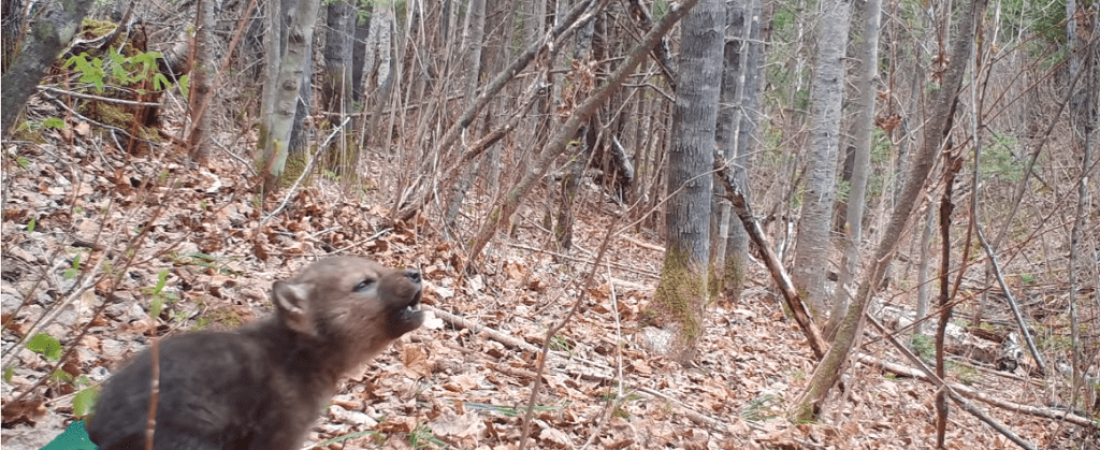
<point x="199" y="244"/>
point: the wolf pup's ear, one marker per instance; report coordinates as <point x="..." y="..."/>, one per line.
<point x="291" y="298"/>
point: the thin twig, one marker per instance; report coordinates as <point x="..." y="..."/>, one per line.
<point x="97" y="98"/>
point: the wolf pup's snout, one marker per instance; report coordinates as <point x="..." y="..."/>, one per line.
<point x="261" y="386"/>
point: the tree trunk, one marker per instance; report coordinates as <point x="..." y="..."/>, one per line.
<point x="473" y="39"/>
<point x="48" y="35"/>
<point x="359" y="50"/>
<point x="936" y="131"/>
<point x="729" y="116"/>
<point x="682" y="292"/>
<point x="201" y="74"/>
<point x="737" y="247"/>
<point x="285" y="104"/>
<point x="865" y="122"/>
<point x="336" y="84"/>
<point x="951" y="167"/>
<point x="813" y="242"/>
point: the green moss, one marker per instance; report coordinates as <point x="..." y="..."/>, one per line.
<point x="295" y="165"/>
<point x="681" y="295"/>
<point x="94" y="28"/>
<point x="733" y="278"/>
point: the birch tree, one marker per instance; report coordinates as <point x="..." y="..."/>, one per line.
<point x="282" y="90"/>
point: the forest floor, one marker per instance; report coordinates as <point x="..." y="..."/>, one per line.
<point x="197" y="247"/>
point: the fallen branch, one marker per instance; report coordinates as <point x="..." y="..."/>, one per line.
<point x="744" y="212"/>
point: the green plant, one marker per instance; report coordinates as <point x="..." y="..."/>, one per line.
<point x="74" y="268"/>
<point x="30" y="225"/>
<point x="46" y="345"/>
<point x="159" y="298"/>
<point x="923" y="346"/>
<point x="965" y="374"/>
<point x="84" y="401"/>
<point x="422" y="437"/>
<point x="53" y="122"/>
<point x="762" y="408"/>
<point x="1027" y="278"/>
<point x="118" y="69"/>
<point x="560" y="343"/>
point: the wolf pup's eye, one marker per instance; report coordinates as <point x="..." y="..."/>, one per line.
<point x="364" y="285"/>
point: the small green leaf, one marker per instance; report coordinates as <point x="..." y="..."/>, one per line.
<point x="46" y="345"/>
<point x="156" y="306"/>
<point x="84" y="402"/>
<point x="54" y="122"/>
<point x="185" y="86"/>
<point x="9" y="373"/>
<point x="30" y="226"/>
<point x="162" y="280"/>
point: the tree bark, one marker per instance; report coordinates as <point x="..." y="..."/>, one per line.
<point x="202" y="74"/>
<point x="284" y="101"/>
<point x="48" y="35"/>
<point x="472" y="38"/>
<point x="683" y="291"/>
<point x="813" y="240"/>
<point x="737" y="247"/>
<point x="336" y="84"/>
<point x="865" y="122"/>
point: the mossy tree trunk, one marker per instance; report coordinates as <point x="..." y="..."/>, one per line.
<point x="738" y="91"/>
<point x="682" y="293"/>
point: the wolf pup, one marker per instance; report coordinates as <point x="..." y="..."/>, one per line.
<point x="262" y="386"/>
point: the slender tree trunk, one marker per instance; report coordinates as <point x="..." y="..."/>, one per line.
<point x="813" y="241"/>
<point x="729" y="117"/>
<point x="737" y="247"/>
<point x="951" y="167"/>
<point x="202" y="63"/>
<point x="936" y="131"/>
<point x="865" y="122"/>
<point x="336" y="84"/>
<point x="472" y="37"/>
<point x="922" y="269"/>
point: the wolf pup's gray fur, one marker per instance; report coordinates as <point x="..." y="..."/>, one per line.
<point x="262" y="386"/>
